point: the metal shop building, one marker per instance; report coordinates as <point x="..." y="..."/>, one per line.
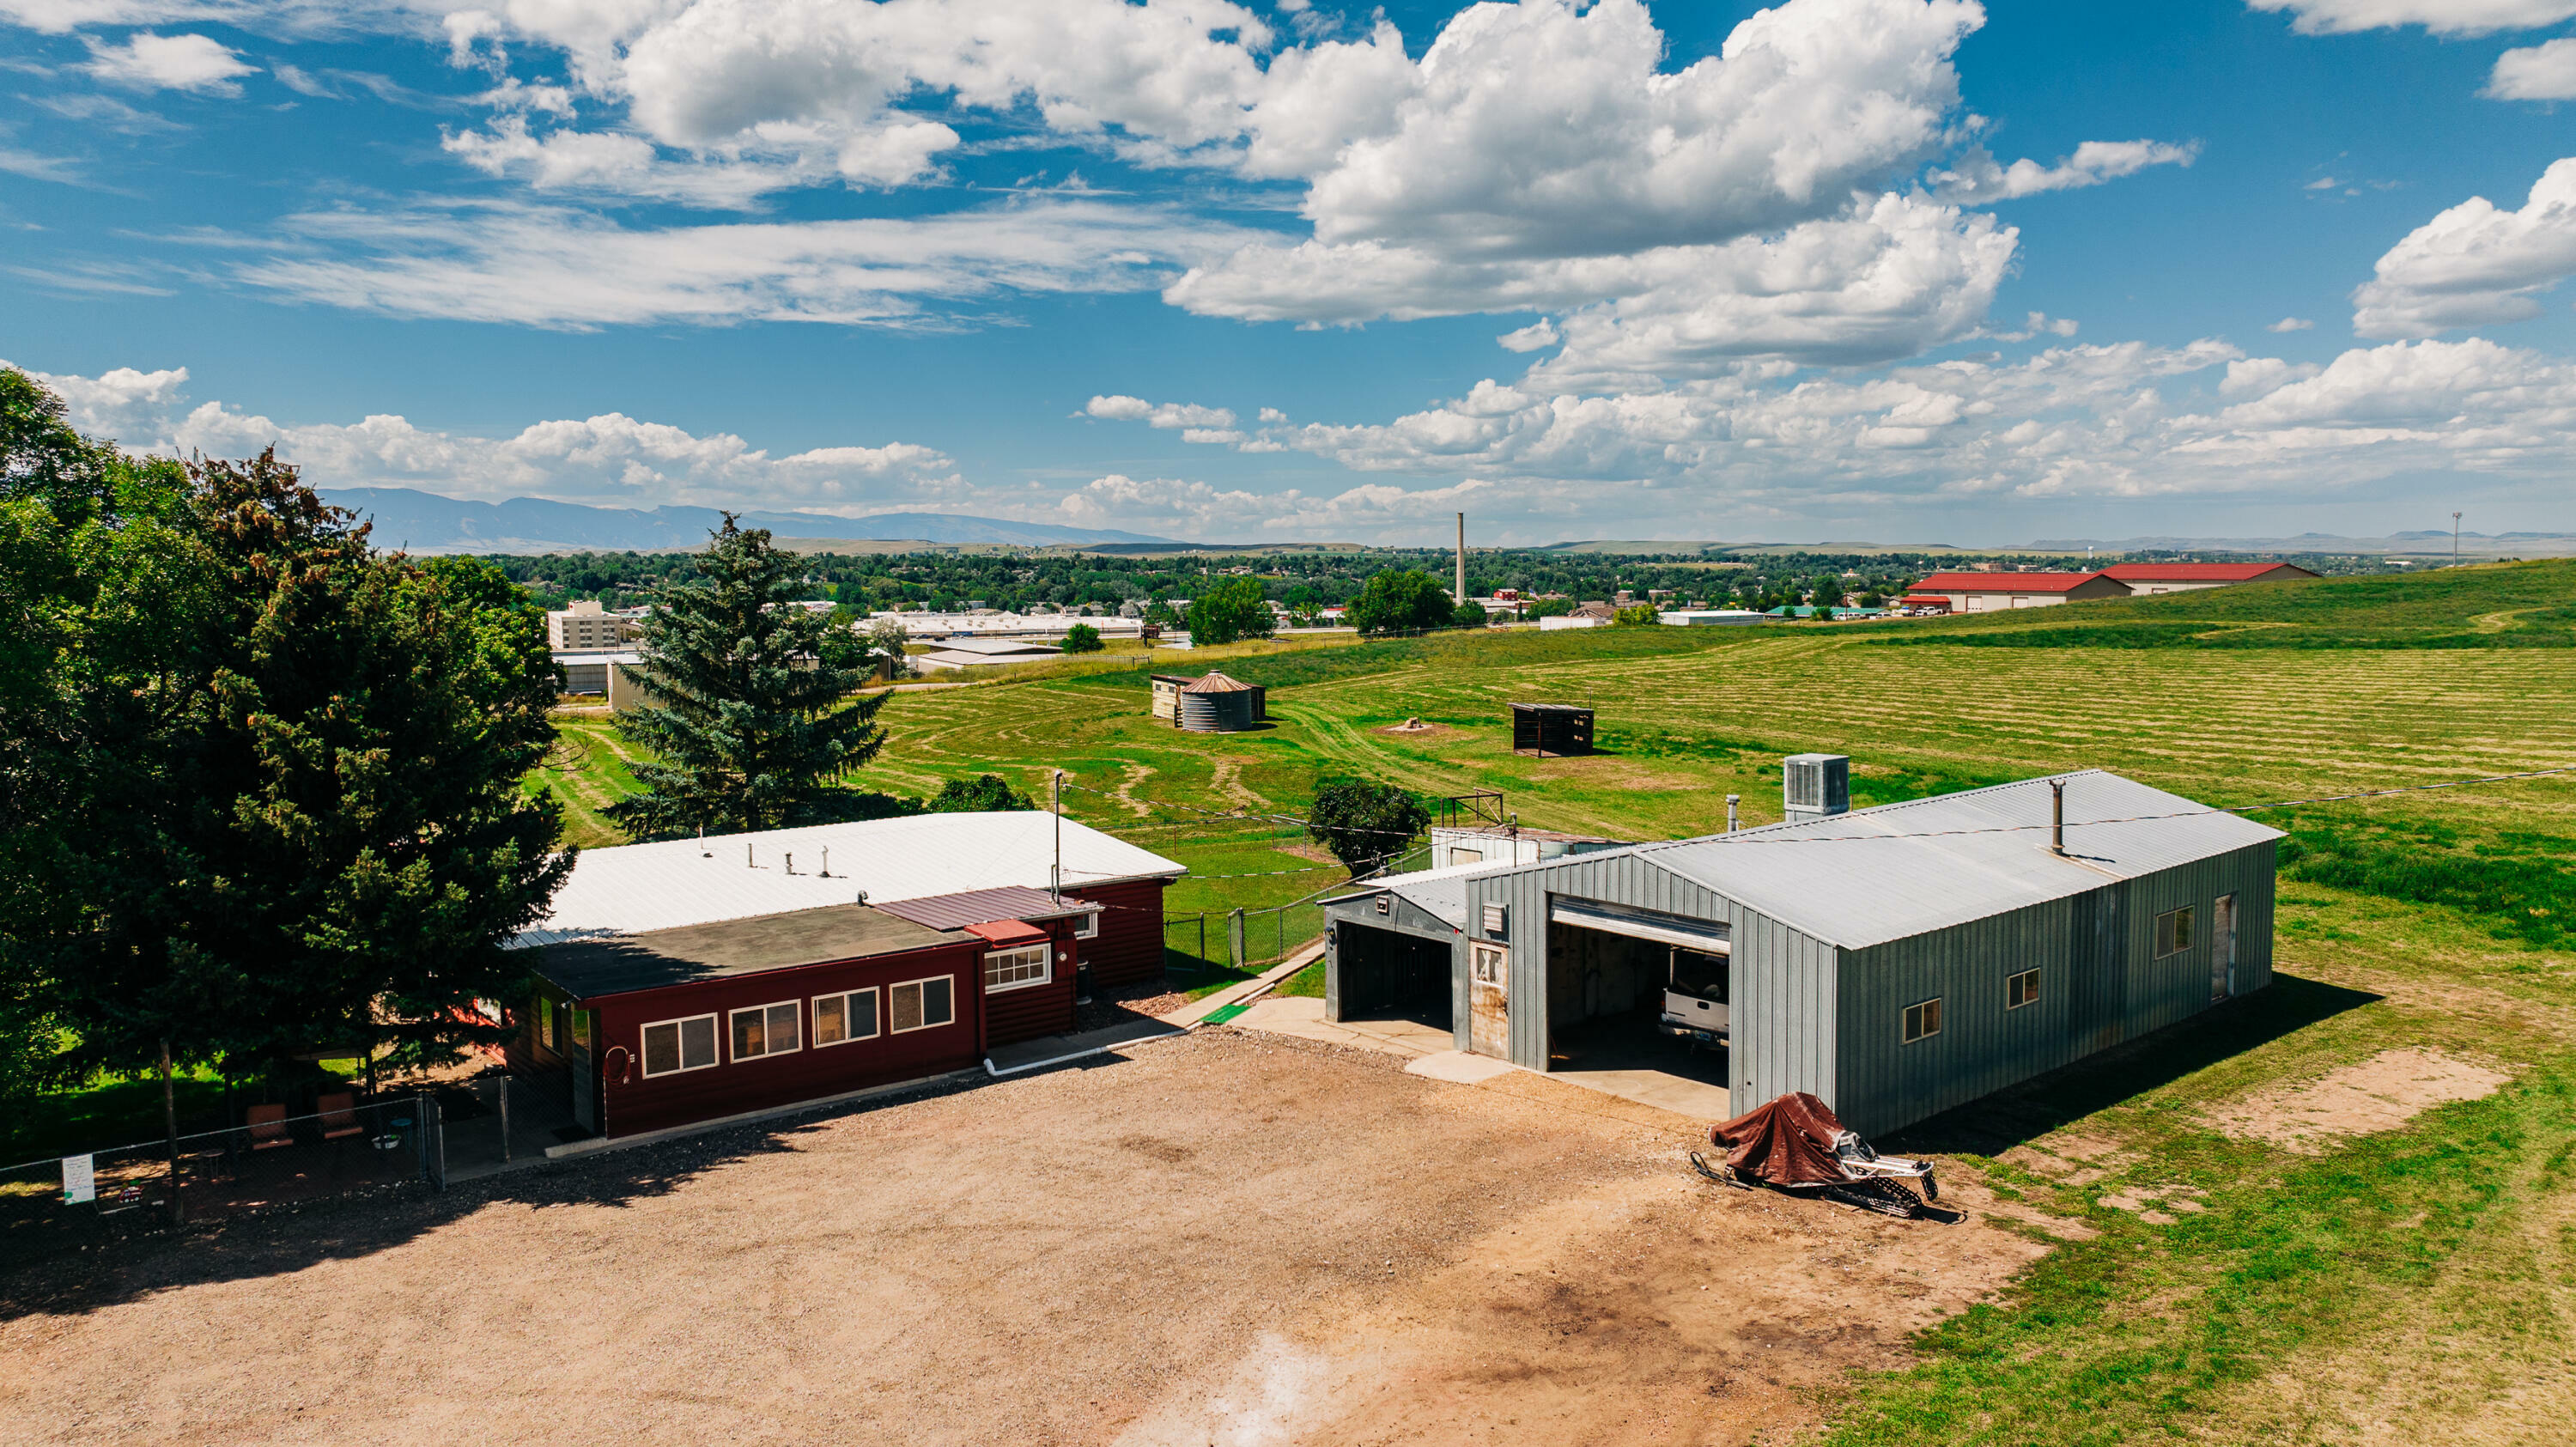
<point x="1894" y="961"/>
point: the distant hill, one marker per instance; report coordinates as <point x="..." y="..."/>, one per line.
<point x="424" y="522"/>
<point x="2417" y="544"/>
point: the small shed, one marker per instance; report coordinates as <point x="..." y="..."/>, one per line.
<point x="1217" y="704"/>
<point x="1167" y="696"/>
<point x="1546" y="729"/>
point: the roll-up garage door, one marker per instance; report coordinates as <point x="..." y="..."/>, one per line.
<point x="1710" y="936"/>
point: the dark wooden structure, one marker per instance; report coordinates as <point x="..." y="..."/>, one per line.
<point x="1551" y="729"/>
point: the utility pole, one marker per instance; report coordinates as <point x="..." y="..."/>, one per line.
<point x="1055" y="805"/>
<point x="2455" y="540"/>
<point x="1462" y="558"/>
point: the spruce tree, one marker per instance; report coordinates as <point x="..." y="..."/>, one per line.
<point x="749" y="716"/>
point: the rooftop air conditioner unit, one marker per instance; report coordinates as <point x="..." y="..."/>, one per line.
<point x="1815" y="786"/>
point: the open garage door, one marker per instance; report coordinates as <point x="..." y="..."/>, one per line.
<point x="1388" y="974"/>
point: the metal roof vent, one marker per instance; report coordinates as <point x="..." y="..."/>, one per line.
<point x="1815" y="786"/>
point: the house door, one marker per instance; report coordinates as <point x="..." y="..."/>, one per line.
<point x="2222" y="948"/>
<point x="1489" y="1001"/>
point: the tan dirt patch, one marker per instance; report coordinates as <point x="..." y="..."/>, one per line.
<point x="1422" y="731"/>
<point x="1226" y="1237"/>
<point x="2381" y="1093"/>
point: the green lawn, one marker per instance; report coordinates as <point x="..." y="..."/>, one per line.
<point x="2423" y="1278"/>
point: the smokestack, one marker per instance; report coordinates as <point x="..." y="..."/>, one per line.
<point x="1462" y="558"/>
<point x="2057" y="817"/>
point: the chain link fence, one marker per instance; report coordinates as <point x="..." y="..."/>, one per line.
<point x="1242" y="940"/>
<point x="271" y="1162"/>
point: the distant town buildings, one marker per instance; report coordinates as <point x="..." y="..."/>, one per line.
<point x="589" y="625"/>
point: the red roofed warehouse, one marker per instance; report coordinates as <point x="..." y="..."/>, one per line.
<point x="691" y="980"/>
<point x="2190" y="577"/>
<point x="1987" y="592"/>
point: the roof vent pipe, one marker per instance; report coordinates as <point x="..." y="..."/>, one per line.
<point x="2057" y="817"/>
<point x="827" y="861"/>
<point x="1731" y="801"/>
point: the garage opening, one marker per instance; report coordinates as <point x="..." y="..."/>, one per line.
<point x="1638" y="1005"/>
<point x="1391" y="975"/>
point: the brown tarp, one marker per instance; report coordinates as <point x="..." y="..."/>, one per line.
<point x="1789" y="1142"/>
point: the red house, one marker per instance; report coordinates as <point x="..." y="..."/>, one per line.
<point x="695" y="979"/>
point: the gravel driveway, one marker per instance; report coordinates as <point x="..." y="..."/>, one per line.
<point x="1227" y="1238"/>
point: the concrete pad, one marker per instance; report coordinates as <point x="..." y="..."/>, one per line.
<point x="1458" y="1067"/>
<point x="1198" y="1010"/>
<point x="1678" y="1094"/>
<point x="1303" y="1016"/>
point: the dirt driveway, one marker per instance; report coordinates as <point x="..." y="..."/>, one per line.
<point x="1226" y="1239"/>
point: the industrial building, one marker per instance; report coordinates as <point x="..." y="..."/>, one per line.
<point x="1993" y="592"/>
<point x="1895" y="961"/>
<point x="693" y="979"/>
<point x="2144" y="578"/>
<point x="587" y="624"/>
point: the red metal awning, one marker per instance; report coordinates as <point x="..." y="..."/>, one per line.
<point x="1008" y="932"/>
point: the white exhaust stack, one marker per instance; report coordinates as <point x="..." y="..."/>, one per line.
<point x="1461" y="595"/>
<point x="1815" y="786"/>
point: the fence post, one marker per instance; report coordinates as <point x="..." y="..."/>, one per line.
<point x="504" y="1081"/>
<point x="1202" y="954"/>
<point x="1234" y="940"/>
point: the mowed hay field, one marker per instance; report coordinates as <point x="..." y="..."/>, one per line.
<point x="2340" y="1211"/>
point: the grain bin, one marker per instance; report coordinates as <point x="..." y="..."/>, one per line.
<point x="1217" y="704"/>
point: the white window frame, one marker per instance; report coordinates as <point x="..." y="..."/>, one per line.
<point x="1045" y="952"/>
<point x="679" y="1045"/>
<point x="876" y="1016"/>
<point x="1931" y="1017"/>
<point x="1086" y="926"/>
<point x="766" y="1049"/>
<point x="1490" y="965"/>
<point x="2029" y="991"/>
<point x="2183" y="933"/>
<point x="927" y="1023"/>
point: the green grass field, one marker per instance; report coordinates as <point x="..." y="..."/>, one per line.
<point x="2417" y="1284"/>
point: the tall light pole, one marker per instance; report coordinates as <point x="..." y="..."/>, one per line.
<point x="2455" y="540"/>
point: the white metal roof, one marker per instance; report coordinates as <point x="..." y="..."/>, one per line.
<point x="1898" y="870"/>
<point x="1441" y="893"/>
<point x="636" y="887"/>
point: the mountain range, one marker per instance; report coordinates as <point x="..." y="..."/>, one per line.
<point x="425" y="522"/>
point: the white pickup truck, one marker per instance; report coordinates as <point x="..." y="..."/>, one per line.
<point x="1695" y="997"/>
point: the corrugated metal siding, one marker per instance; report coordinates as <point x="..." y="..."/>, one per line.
<point x="1784" y="981"/>
<point x="2100" y="984"/>
<point x="1403" y="918"/>
<point x="1129" y="947"/>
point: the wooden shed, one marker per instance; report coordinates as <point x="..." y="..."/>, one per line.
<point x="1546" y="729"/>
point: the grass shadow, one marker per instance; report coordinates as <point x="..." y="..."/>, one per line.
<point x="2020" y="1113"/>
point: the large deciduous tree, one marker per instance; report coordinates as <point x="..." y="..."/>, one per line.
<point x="749" y="714"/>
<point x="1400" y="602"/>
<point x="271" y="776"/>
<point x="1367" y="825"/>
<point x="1229" y="612"/>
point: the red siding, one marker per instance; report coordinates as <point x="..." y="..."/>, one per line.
<point x="1129" y="948"/>
<point x="635" y="1104"/>
<point x="1025" y="1013"/>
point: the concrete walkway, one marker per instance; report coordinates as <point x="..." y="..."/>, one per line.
<point x="1057" y="1049"/>
<point x="1303" y="1016"/>
<point x="1191" y="1014"/>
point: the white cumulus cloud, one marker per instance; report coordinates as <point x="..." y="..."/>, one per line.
<point x="2474" y="264"/>
<point x="2536" y="72"/>
<point x="609" y="459"/>
<point x="1166" y="415"/>
<point x="1977" y="179"/>
<point x="2442" y="17"/>
<point x="169" y="62"/>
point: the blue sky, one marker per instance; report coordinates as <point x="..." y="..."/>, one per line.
<point x="1901" y="269"/>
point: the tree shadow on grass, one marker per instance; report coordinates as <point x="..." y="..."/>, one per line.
<point x="120" y="1262"/>
<point x="2018" y="1114"/>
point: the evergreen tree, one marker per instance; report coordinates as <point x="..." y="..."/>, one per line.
<point x="749" y="714"/>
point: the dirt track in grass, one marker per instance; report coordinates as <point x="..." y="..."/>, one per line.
<point x="1228" y="1238"/>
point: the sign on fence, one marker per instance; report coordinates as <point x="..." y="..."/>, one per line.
<point x="80" y="1180"/>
